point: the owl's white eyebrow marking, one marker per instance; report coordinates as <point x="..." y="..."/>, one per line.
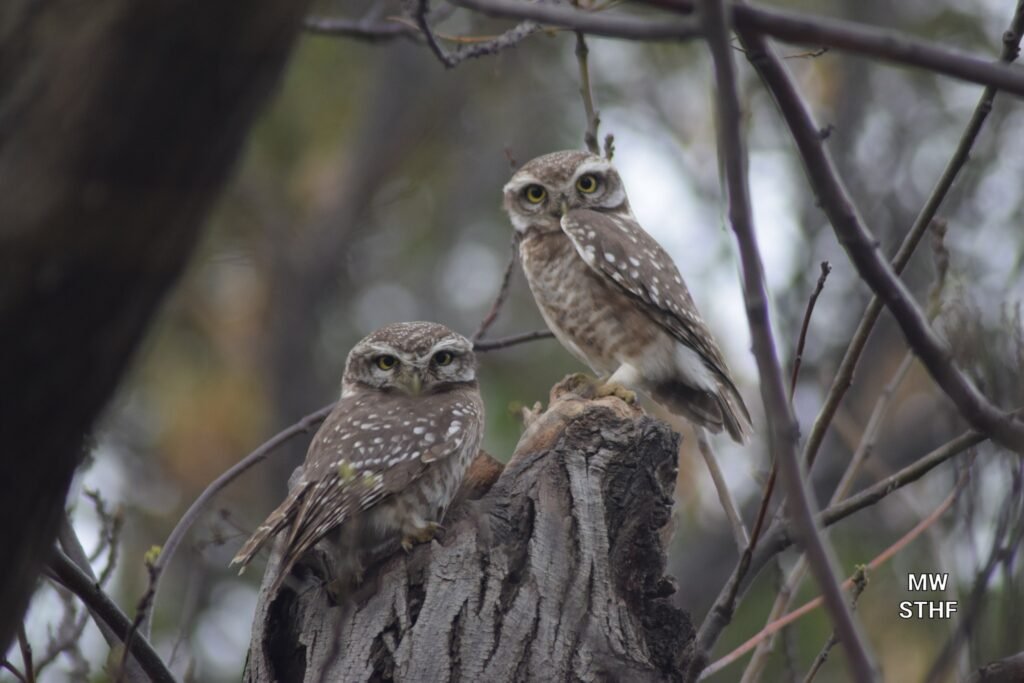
<point x="592" y="166"/>
<point x="380" y="347"/>
<point x="521" y="180"/>
<point x="451" y="344"/>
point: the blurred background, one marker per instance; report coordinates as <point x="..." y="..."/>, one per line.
<point x="370" y="193"/>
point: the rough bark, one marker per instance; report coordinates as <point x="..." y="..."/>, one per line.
<point x="119" y="122"/>
<point x="555" y="572"/>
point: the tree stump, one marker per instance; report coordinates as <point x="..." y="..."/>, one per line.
<point x="553" y="570"/>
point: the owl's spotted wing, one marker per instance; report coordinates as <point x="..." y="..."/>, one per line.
<point x="618" y="249"/>
<point x="624" y="255"/>
<point x="374" y="449"/>
<point x="369" y="448"/>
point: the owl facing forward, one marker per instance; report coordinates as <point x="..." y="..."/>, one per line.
<point x="611" y="294"/>
<point x="388" y="460"/>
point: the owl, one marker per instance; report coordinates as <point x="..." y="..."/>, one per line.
<point x="611" y="294"/>
<point x="388" y="459"/>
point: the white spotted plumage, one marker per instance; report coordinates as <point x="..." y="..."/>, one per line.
<point x="389" y="458"/>
<point x="612" y="295"/>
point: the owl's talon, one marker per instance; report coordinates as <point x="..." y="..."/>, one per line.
<point x="421" y="535"/>
<point x="579" y="384"/>
<point x="618" y="391"/>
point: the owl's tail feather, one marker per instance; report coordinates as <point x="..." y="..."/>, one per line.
<point x="278" y="520"/>
<point x="713" y="411"/>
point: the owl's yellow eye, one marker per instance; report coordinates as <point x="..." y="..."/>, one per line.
<point x="386" y="362"/>
<point x="586" y="183"/>
<point x="535" y="194"/>
<point x="443" y="358"/>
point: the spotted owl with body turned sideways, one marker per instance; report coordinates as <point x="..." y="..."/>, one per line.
<point x="612" y="295"/>
<point x="389" y="458"/>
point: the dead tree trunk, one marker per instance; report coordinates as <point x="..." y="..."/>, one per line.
<point x="554" y="572"/>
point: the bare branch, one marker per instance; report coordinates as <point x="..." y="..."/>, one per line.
<point x="732" y="513"/>
<point x="907" y="475"/>
<point x="844" y="375"/>
<point x="769" y="486"/>
<point x="782" y="425"/>
<point x="607" y="24"/>
<point x="14" y="670"/>
<point x="514" y="340"/>
<point x="26" y="655"/>
<point x="196" y="509"/>
<point x="499" y="300"/>
<point x="883" y="557"/>
<point x="142" y="612"/>
<point x="587" y="93"/>
<point x="799" y="356"/>
<point x="862" y="248"/>
<point x="75" y="580"/>
<point x="860" y="582"/>
<point x="1005" y="544"/>
<point x="609" y="146"/>
<point x="777" y="539"/>
<point x="371" y="31"/>
<point x="509" y="38"/>
<point x="871" y="41"/>
<point x="71" y="545"/>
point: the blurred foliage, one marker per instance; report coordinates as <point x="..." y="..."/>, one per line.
<point x="370" y="193"/>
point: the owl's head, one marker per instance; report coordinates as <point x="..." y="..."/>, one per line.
<point x="545" y="188"/>
<point x="412" y="358"/>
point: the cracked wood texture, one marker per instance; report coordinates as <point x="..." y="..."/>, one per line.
<point x="552" y="569"/>
<point x="119" y="123"/>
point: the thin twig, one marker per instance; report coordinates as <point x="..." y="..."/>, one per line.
<point x="220" y="483"/>
<point x="508" y="39"/>
<point x="860" y="582"/>
<point x="769" y="486"/>
<point x="361" y="29"/>
<point x="499" y="300"/>
<point x="111" y="524"/>
<point x="732" y="512"/>
<point x="607" y="24"/>
<point x="782" y="425"/>
<point x="72" y="546"/>
<point x="799" y="356"/>
<point x="864" y="449"/>
<point x="26" y="655"/>
<point x="609" y="146"/>
<point x="587" y="93"/>
<point x="78" y="582"/>
<point x="142" y="611"/>
<point x="514" y="340"/>
<point x="872" y="430"/>
<point x="777" y="538"/>
<point x="1005" y="544"/>
<point x="14" y="670"/>
<point x="844" y="375"/>
<point x="784" y="25"/>
<point x="862" y="249"/>
<point x="810" y="606"/>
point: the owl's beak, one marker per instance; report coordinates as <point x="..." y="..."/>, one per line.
<point x="564" y="207"/>
<point x="412" y="383"/>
